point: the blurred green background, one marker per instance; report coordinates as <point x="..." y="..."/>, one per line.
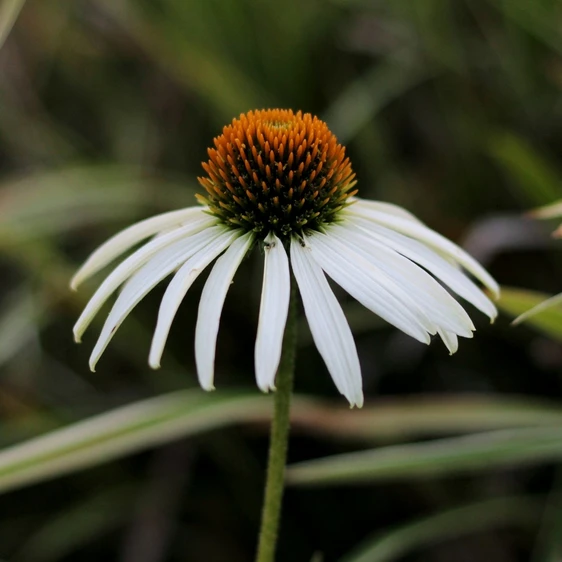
<point x="451" y="108"/>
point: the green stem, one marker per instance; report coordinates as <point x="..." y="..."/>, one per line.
<point x="279" y="438"/>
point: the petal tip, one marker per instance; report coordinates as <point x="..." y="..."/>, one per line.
<point x="266" y="389"/>
<point x="356" y="404"/>
<point x="75" y="281"/>
<point x="207" y="383"/>
<point x="356" y="401"/>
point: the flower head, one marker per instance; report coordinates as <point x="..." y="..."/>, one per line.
<point x="277" y="171"/>
<point x="280" y="179"/>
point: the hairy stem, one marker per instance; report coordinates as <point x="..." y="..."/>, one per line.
<point x="279" y="438"/>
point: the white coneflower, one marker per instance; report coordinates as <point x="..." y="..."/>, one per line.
<point x="280" y="180"/>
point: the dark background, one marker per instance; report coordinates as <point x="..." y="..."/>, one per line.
<point x="450" y="108"/>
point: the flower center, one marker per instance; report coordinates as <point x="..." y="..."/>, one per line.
<point x="275" y="170"/>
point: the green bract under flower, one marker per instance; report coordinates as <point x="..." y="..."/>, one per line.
<point x="277" y="171"/>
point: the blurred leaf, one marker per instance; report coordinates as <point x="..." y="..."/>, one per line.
<point x="541" y="22"/>
<point x="124" y="431"/>
<point x="53" y="202"/>
<point x="400" y="418"/>
<point x="9" y="11"/>
<point x="78" y="525"/>
<point x="446" y="525"/>
<point x="539" y="310"/>
<point x="170" y="41"/>
<point x="358" y="104"/>
<point x="548" y="545"/>
<point x="18" y="323"/>
<point x="35" y="134"/>
<point x="159" y="420"/>
<point x="437" y="31"/>
<point x="538" y="181"/>
<point x="458" y="455"/>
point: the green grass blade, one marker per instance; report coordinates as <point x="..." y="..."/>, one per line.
<point x="124" y="431"/>
<point x="19" y="322"/>
<point x="225" y="86"/>
<point x="82" y="523"/>
<point x="548" y="545"/>
<point x="547" y="319"/>
<point x="540" y="22"/>
<point x="360" y="102"/>
<point x="449" y="524"/>
<point x="51" y="203"/>
<point x="156" y="421"/>
<point x="9" y="11"/>
<point x="535" y="178"/>
<point x="442" y="457"/>
<point x="404" y="418"/>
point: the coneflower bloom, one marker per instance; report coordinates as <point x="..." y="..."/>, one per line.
<point x="280" y="180"/>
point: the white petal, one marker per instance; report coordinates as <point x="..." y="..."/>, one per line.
<point x="127" y="267"/>
<point x="149" y="275"/>
<point x="370" y="286"/>
<point x="436" y="264"/>
<point x="127" y="238"/>
<point x="328" y="325"/>
<point x="389" y="208"/>
<point x="274" y="307"/>
<point x="428" y="294"/>
<point x="427" y="236"/>
<point x="450" y="340"/>
<point x="210" y="308"/>
<point x="179" y="286"/>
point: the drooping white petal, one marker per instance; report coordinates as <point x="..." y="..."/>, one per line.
<point x="435" y="263"/>
<point x="450" y="340"/>
<point x="149" y="275"/>
<point x="328" y="324"/>
<point x="428" y="294"/>
<point x="370" y="286"/>
<point x="132" y="235"/>
<point x="130" y="265"/>
<point x="274" y="306"/>
<point x="384" y="207"/>
<point x="210" y="308"/>
<point x="179" y="286"/>
<point x="424" y="234"/>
